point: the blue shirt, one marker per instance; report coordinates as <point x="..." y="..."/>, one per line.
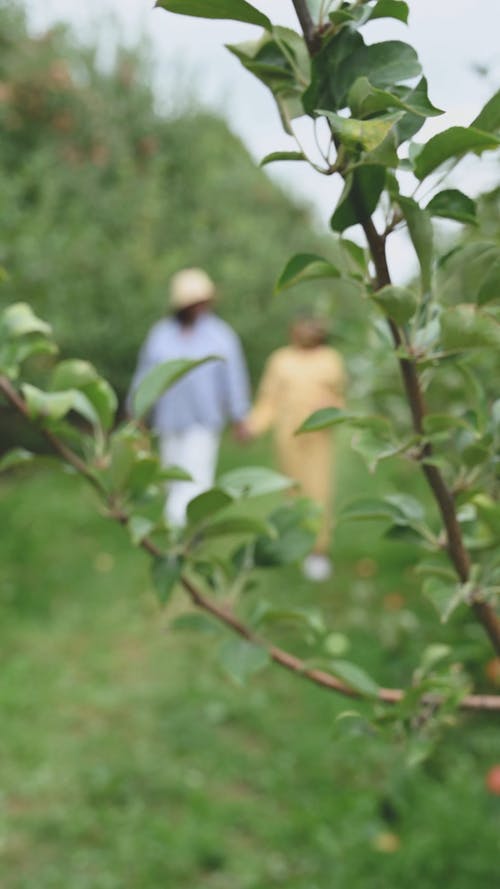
<point x="208" y="395"/>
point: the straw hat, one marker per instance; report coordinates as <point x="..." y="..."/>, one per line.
<point x="190" y="286"/>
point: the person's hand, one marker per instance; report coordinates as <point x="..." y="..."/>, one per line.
<point x="241" y="432"/>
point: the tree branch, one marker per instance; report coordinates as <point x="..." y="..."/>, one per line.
<point x="56" y="444"/>
<point x="224" y="615"/>
<point x="321" y="677"/>
<point x="457" y="552"/>
<point x="311" y="36"/>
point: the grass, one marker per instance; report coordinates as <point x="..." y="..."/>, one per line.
<point x="128" y="761"/>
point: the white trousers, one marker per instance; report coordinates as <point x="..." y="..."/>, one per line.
<point x="195" y="450"/>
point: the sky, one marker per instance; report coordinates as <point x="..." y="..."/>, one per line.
<point x="450" y="36"/>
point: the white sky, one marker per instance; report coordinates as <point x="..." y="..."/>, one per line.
<point x="449" y="36"/>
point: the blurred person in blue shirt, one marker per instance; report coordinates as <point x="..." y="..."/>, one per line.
<point x="189" y="417"/>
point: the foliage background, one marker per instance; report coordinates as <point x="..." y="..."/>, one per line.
<point x="102" y="199"/>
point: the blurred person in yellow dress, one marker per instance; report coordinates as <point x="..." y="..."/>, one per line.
<point x="298" y="379"/>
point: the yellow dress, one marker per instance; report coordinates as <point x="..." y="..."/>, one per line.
<point x="296" y="382"/>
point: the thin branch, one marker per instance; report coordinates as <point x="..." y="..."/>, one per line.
<point x="457" y="552"/>
<point x="320" y="677"/>
<point x="311" y="36"/>
<point x="223" y="614"/>
<point x="57" y="445"/>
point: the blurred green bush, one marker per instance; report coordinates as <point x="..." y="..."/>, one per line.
<point x="103" y="198"/>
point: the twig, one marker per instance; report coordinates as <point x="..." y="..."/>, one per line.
<point x="311" y="36"/>
<point x="457" y="552"/>
<point x="321" y="677"/>
<point x="223" y="614"/>
<point x="59" y="446"/>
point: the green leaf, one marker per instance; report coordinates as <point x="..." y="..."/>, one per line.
<point x="19" y="319"/>
<point x="159" y="379"/>
<point x="279" y="60"/>
<point x="253" y="481"/>
<point x="341" y="17"/>
<point x="175" y="474"/>
<point x="14" y="351"/>
<point x="365" y="133"/>
<point x="393" y="9"/>
<point x="489" y="511"/>
<point x="334" y="416"/>
<point x="364" y="509"/>
<point x="404" y="534"/>
<point x="194" y="623"/>
<point x="360" y="196"/>
<point x="326" y="89"/>
<point x="416" y="100"/>
<point x="438" y="566"/>
<point x="436" y="423"/>
<point x="489" y="289"/>
<point x="345" y="57"/>
<point x="384" y="64"/>
<point x="295" y="528"/>
<point x="495" y="415"/>
<point x="81" y="375"/>
<point x="364" y="99"/>
<point x="475" y="454"/>
<point x="420" y="107"/>
<point x="464" y="327"/>
<point x="305" y="267"/>
<point x="282" y="156"/>
<point x="355" y="678"/>
<point x="355" y="252"/>
<point x="377" y="444"/>
<point x="104" y="401"/>
<point x="166" y="573"/>
<point x="325" y="418"/>
<point x="55" y="405"/>
<point x="233" y="525"/>
<point x="139" y="527"/>
<point x="410" y="509"/>
<point x="145" y="470"/>
<point x="431" y="656"/>
<point x="466" y="267"/>
<point x="444" y="595"/>
<point x="207" y="504"/>
<point x="14" y="458"/>
<point x="123" y="453"/>
<point x="397" y="303"/>
<point x="452" y="144"/>
<point x="401" y="509"/>
<point x="235" y="10"/>
<point x="453" y="204"/>
<point x="72" y="374"/>
<point x="422" y="236"/>
<point x="488" y="119"/>
<point x="386" y="153"/>
<point x="241" y="659"/>
<point x="301" y="618"/>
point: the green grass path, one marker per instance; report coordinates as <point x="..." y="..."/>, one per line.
<point x="127" y="761"/>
